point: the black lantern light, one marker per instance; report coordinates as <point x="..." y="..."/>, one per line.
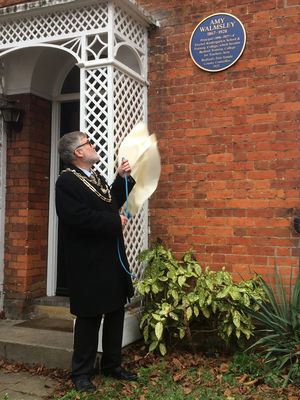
<point x="11" y="115"/>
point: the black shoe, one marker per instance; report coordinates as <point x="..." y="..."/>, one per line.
<point x="121" y="374"/>
<point x="84" y="385"/>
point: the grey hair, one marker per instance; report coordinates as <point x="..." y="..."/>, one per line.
<point x="67" y="146"/>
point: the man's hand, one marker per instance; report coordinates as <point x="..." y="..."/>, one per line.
<point x="124" y="167"/>
<point x="124" y="221"/>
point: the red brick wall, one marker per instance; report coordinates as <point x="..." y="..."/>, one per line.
<point x="27" y="208"/>
<point x="229" y="141"/>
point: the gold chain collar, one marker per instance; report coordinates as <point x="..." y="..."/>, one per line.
<point x="105" y="195"/>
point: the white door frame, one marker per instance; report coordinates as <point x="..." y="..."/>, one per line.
<point x="54" y="171"/>
<point x="53" y="220"/>
<point x="3" y="144"/>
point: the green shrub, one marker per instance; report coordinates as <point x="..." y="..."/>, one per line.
<point x="179" y="293"/>
<point x="279" y="314"/>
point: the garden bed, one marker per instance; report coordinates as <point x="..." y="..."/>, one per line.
<point x="214" y="372"/>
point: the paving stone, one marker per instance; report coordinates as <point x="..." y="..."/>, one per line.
<point x="24" y="386"/>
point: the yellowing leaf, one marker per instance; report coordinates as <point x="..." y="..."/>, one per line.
<point x="153" y="346"/>
<point x="181" y="280"/>
<point x="162" y="349"/>
<point x="205" y="312"/>
<point x="236" y="318"/>
<point x="189" y="312"/>
<point x="173" y="316"/>
<point x="146" y="333"/>
<point x="159" y="328"/>
<point x="181" y="333"/>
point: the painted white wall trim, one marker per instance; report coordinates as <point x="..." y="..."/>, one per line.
<point x="53" y="221"/>
<point x="3" y="149"/>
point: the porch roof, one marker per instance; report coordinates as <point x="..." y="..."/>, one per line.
<point x="134" y="7"/>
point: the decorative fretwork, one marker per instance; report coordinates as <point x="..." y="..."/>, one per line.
<point x="52" y="26"/>
<point x="129" y="28"/>
<point x="97" y="47"/>
<point x="135" y="235"/>
<point x="113" y="102"/>
<point x="73" y="45"/>
<point x="129" y="109"/>
<point x="96" y="115"/>
<point x="129" y="106"/>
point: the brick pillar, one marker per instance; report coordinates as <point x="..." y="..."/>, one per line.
<point x="27" y="208"/>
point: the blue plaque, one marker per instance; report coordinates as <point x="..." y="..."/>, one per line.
<point x="217" y="42"/>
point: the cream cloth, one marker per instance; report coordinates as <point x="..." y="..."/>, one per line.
<point x="141" y="151"/>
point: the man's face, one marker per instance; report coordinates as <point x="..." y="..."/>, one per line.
<point x="88" y="151"/>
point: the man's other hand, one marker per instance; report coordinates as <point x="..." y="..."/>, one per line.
<point x="124" y="167"/>
<point x="124" y="221"/>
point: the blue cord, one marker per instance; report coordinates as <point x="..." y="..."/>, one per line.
<point x="120" y="258"/>
<point x="126" y="189"/>
<point x="126" y="215"/>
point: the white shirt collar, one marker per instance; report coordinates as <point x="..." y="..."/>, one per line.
<point x="88" y="173"/>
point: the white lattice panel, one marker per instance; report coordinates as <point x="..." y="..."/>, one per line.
<point x="129" y="28"/>
<point x="96" y="112"/>
<point x="135" y="241"/>
<point x="129" y="107"/>
<point x="112" y="100"/>
<point x="52" y="26"/>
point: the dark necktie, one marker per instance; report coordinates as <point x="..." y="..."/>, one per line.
<point x="93" y="177"/>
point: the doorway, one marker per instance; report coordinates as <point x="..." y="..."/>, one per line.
<point x="65" y="118"/>
<point x="69" y="121"/>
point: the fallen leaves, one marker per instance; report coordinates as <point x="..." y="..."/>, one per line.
<point x="192" y="374"/>
<point x="177" y="377"/>
<point x="224" y="368"/>
<point x="178" y="364"/>
<point x="242" y="378"/>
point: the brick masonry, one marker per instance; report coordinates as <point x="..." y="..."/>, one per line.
<point x="27" y="207"/>
<point x="229" y="144"/>
<point x="229" y="141"/>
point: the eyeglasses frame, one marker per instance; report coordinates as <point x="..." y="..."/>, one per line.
<point x="83" y="144"/>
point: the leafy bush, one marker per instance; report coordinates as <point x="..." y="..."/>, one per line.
<point x="279" y="313"/>
<point x="179" y="293"/>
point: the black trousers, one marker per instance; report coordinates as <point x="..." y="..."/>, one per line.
<point x="86" y="335"/>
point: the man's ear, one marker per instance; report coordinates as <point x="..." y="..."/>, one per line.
<point x="78" y="153"/>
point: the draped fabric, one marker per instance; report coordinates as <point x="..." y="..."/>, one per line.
<point x="142" y="153"/>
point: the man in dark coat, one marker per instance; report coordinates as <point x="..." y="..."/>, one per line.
<point x="91" y="226"/>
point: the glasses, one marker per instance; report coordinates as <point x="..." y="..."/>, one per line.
<point x="83" y="144"/>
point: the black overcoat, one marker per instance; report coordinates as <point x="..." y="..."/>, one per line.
<point x="91" y="229"/>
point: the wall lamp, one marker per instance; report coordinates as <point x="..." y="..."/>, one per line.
<point x="11" y="115"/>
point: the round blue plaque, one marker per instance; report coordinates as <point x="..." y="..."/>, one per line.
<point x="217" y="42"/>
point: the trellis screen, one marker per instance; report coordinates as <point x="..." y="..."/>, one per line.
<point x="97" y="33"/>
<point x="128" y="109"/>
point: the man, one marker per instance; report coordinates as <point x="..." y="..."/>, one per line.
<point x="91" y="228"/>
